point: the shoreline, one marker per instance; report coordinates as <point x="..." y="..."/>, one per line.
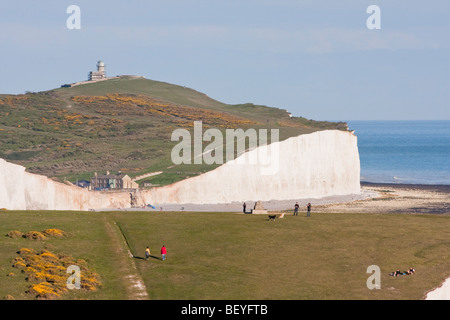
<point x="398" y="198"/>
<point x="269" y="205"/>
<point x="414" y="186"/>
<point x="374" y="198"/>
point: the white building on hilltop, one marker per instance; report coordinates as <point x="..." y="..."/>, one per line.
<point x="99" y="74"/>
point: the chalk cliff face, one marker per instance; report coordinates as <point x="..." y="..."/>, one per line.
<point x="21" y="190"/>
<point x="320" y="164"/>
<point x="315" y="165"/>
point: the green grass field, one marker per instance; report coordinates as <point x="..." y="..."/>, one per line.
<point x="236" y="256"/>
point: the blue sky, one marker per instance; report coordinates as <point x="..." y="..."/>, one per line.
<point x="315" y="58"/>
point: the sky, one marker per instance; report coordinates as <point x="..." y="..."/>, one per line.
<point x="315" y="58"/>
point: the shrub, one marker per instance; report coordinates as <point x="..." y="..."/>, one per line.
<point x="44" y="290"/>
<point x="56" y="279"/>
<point x="26" y="251"/>
<point x="35" y="235"/>
<point x="48" y="273"/>
<point x="34" y="275"/>
<point x="19" y="263"/>
<point x="14" y="234"/>
<point x="48" y="256"/>
<point x="54" y="233"/>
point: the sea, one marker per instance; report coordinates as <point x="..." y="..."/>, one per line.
<point x="404" y="152"/>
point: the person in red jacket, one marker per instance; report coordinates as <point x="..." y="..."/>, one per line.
<point x="163" y="252"/>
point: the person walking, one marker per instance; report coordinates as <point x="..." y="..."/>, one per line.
<point x="147" y="253"/>
<point x="163" y="253"/>
<point x="296" y="209"/>
<point x="308" y="212"/>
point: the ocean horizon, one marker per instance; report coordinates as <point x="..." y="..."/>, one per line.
<point x="404" y="152"/>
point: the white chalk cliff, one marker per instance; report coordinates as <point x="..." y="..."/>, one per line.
<point x="314" y="165"/>
<point x="21" y="190"/>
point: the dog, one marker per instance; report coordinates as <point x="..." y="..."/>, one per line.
<point x="272" y="217"/>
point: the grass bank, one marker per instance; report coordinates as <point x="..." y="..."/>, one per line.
<point x="236" y="256"/>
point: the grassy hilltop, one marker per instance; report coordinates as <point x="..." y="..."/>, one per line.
<point x="123" y="124"/>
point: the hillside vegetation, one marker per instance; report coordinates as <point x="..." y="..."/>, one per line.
<point x="123" y="124"/>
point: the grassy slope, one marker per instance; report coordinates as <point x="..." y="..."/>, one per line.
<point x="87" y="239"/>
<point x="54" y="135"/>
<point x="231" y="256"/>
<point x="163" y="90"/>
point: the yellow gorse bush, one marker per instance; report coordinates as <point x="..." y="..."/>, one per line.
<point x="45" y="290"/>
<point x="47" y="273"/>
<point x="54" y="233"/>
<point x="14" y="234"/>
<point x="37" y="235"/>
<point x="116" y="104"/>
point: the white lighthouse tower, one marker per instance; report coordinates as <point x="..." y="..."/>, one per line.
<point x="101" y="67"/>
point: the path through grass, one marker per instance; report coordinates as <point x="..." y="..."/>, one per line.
<point x="234" y="256"/>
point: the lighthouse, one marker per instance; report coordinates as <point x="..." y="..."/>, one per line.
<point x="100" y="73"/>
<point x="101" y="67"/>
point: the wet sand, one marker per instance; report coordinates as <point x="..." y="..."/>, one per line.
<point x="398" y="198"/>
